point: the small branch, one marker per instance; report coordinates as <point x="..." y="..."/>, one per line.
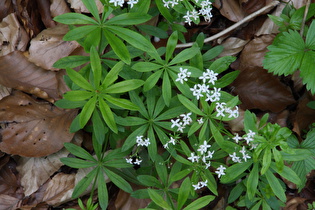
<point x="236" y="25"/>
<point x="308" y="3"/>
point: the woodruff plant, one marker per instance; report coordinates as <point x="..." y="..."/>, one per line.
<point x="157" y="116"/>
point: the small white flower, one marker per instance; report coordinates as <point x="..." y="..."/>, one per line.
<point x="186" y="118"/>
<point x="196" y="186"/>
<point x="203" y="184"/>
<point x="208" y="165"/>
<point x="248" y="139"/>
<point x="132" y="2"/>
<point x="243" y="150"/>
<point x="193" y="158"/>
<point x="182" y="76"/>
<point x="200" y="121"/>
<point x="214" y="95"/>
<point x="137" y="161"/>
<point x="251" y="133"/>
<point x="220" y="113"/>
<point x="245" y="157"/>
<point x="175" y="123"/>
<point x="117" y="2"/>
<point x="204" y="147"/>
<point x="210" y="154"/>
<point x="165" y="145"/>
<point x="235" y="158"/>
<point x="172" y="141"/>
<point x="233" y="113"/>
<point x="220" y="171"/>
<point x="181" y="128"/>
<point x="237" y="138"/>
<point x="129" y="160"/>
<point x="146" y="142"/>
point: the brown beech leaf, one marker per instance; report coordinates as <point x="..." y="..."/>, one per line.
<point x="58" y="7"/>
<point x="58" y="189"/>
<point x="36" y="171"/>
<point x="259" y="89"/>
<point x="6" y="7"/>
<point x="230" y="9"/>
<point x="12" y="35"/>
<point x="8" y="202"/>
<point x="9" y="183"/>
<point x="232" y="46"/>
<point x="32" y="128"/>
<point x="44" y="10"/>
<point x="16" y="71"/>
<point x="254" y="52"/>
<point x="48" y="47"/>
<point x="78" y="6"/>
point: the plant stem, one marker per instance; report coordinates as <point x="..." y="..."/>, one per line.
<point x="307" y="6"/>
<point x="232" y="27"/>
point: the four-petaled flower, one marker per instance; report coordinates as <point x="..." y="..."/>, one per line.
<point x="193" y="158"/>
<point x="220" y="171"/>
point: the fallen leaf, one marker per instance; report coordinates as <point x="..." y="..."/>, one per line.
<point x="232" y="46"/>
<point x="6" y="7"/>
<point x="9" y="183"/>
<point x="78" y="6"/>
<point x="230" y="9"/>
<point x="258" y="89"/>
<point x="17" y="72"/>
<point x="48" y="47"/>
<point x="4" y="91"/>
<point x="8" y="202"/>
<point x="44" y="11"/>
<point x="295" y="203"/>
<point x="12" y="35"/>
<point x="58" y="7"/>
<point x="33" y="128"/>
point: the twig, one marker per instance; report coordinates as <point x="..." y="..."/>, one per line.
<point x="308" y="3"/>
<point x="231" y="28"/>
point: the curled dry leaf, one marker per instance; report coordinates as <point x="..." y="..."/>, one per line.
<point x="59" y="189"/>
<point x="232" y="46"/>
<point x="16" y="71"/>
<point x="125" y="202"/>
<point x="12" y="35"/>
<point x="44" y="10"/>
<point x="4" y="91"/>
<point x="48" y="47"/>
<point x="6" y="7"/>
<point x="8" y="202"/>
<point x="78" y="6"/>
<point x="230" y="9"/>
<point x="258" y="89"/>
<point x="32" y="128"/>
<point x="295" y="203"/>
<point x="9" y="183"/>
<point x="58" y="7"/>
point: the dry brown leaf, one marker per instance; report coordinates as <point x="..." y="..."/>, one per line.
<point x="48" y="47"/>
<point x="259" y="89"/>
<point x="36" y="171"/>
<point x="295" y="203"/>
<point x="4" y="91"/>
<point x="16" y="71"/>
<point x="44" y="10"/>
<point x="254" y="52"/>
<point x="8" y="202"/>
<point x="78" y="6"/>
<point x="33" y="128"/>
<point x="6" y="7"/>
<point x="58" y="189"/>
<point x="12" y="35"/>
<point x="58" y="7"/>
<point x="9" y="183"/>
<point x="230" y="9"/>
<point x="232" y="46"/>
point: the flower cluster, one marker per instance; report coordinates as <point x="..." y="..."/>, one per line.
<point x="130" y="160"/>
<point x="222" y="110"/>
<point x="220" y="171"/>
<point x="121" y="2"/>
<point x="205" y="10"/>
<point x="182" y="76"/>
<point x="200" y="185"/>
<point x="181" y="123"/>
<point x="203" y="155"/>
<point x="142" y="141"/>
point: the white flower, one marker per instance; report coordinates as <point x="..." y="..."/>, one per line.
<point x="237" y="138"/>
<point x="251" y="133"/>
<point x="214" y="95"/>
<point x="204" y="147"/>
<point x="142" y="142"/>
<point x="172" y="140"/>
<point x="220" y="113"/>
<point x="243" y="150"/>
<point x="146" y="142"/>
<point x="186" y="118"/>
<point x="220" y="171"/>
<point x="196" y="92"/>
<point x="200" y="121"/>
<point x="132" y="2"/>
<point x="137" y="161"/>
<point x="248" y="139"/>
<point x="196" y="186"/>
<point x="117" y="2"/>
<point x="233" y="113"/>
<point x="175" y="123"/>
<point x="208" y="165"/>
<point x="203" y="184"/>
<point x="165" y="145"/>
<point x="193" y="158"/>
<point x="235" y="158"/>
<point x="182" y="76"/>
<point x="210" y="154"/>
<point x="181" y="128"/>
<point x="245" y="157"/>
<point x="129" y="160"/>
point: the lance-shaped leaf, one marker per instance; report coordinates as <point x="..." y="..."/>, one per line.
<point x="33" y="128"/>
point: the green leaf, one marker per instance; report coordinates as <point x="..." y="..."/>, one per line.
<point x="171" y="45"/>
<point x="136" y="40"/>
<point x="183" y="193"/>
<point x="307" y="70"/>
<point x="252" y="182"/>
<point x="287" y="173"/>
<point x="77" y="163"/>
<point x="98" y="127"/>
<point x="275" y="186"/>
<point x="102" y="190"/>
<point x="171" y="113"/>
<point x="74" y="18"/>
<point x="310" y="42"/>
<point x="66" y="104"/>
<point x="124" y="86"/>
<point x="82" y="185"/>
<point x="227" y="79"/>
<point x="91" y="6"/>
<point x="232" y="172"/>
<point x="222" y="64"/>
<point x="87" y="111"/>
<point x="158" y="199"/>
<point x="190" y="105"/>
<point x="131" y="140"/>
<point x="79" y="32"/>
<point x="79" y="80"/>
<point x="152" y="80"/>
<point x="78" y="95"/>
<point x="79" y="151"/>
<point x="108" y="115"/>
<point x="130" y="121"/>
<point x="118" y="46"/>
<point x="153" y="31"/>
<point x="71" y="61"/>
<point x="166" y="89"/>
<point x="112" y="75"/>
<point x="146" y="66"/>
<point x="96" y="66"/>
<point x="128" y="19"/>
<point x="161" y="169"/>
<point x="152" y="148"/>
<point x="184" y="55"/>
<point x="200" y="202"/>
<point x="149" y="181"/>
<point x="118" y="180"/>
<point x="212" y="53"/>
<point x="266" y="161"/>
<point x="121" y="102"/>
<point x="285" y="54"/>
<point x="164" y="11"/>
